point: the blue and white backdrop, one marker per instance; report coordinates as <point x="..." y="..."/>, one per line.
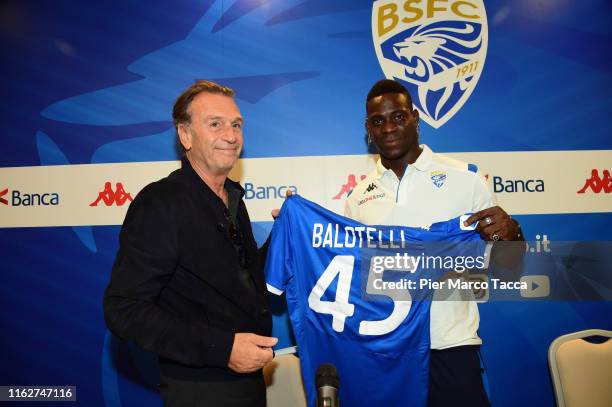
<point x="521" y="88"/>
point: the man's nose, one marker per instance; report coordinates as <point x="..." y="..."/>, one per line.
<point x="229" y="134"/>
<point x="389" y="126"/>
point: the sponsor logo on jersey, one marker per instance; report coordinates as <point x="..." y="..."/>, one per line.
<point x="19" y="198"/>
<point x="597" y="184"/>
<point x="110" y="197"/>
<point x="347" y="188"/>
<point x="436" y="48"/>
<point x="438" y="178"/>
<point x="252" y="191"/>
<point x="371" y="198"/>
<point x="517" y="185"/>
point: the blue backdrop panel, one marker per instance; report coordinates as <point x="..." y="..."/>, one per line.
<point x="94" y="83"/>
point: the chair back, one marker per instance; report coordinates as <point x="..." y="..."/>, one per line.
<point x="581" y="370"/>
<point x="284" y="386"/>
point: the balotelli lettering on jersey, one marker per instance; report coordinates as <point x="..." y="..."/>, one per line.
<point x="356" y="297"/>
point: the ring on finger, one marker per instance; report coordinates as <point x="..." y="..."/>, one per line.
<point x="488" y="220"/>
<point x="495" y="237"/>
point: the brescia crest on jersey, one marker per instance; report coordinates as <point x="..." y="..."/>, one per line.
<point x="436" y="48"/>
<point x="438" y="178"/>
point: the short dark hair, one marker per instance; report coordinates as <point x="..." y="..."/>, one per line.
<point x="180" y="111"/>
<point x="387" y="86"/>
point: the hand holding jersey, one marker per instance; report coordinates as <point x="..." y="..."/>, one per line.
<point x="250" y="352"/>
<point x="495" y="224"/>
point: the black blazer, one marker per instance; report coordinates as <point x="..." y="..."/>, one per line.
<point x="176" y="286"/>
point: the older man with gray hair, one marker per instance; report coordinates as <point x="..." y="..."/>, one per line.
<point x="187" y="282"/>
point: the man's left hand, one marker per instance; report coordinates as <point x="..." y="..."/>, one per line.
<point x="276" y="212"/>
<point x="495" y="224"/>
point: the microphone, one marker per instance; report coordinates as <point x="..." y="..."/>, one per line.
<point x="327" y="383"/>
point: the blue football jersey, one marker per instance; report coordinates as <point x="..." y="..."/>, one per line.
<point x="377" y="339"/>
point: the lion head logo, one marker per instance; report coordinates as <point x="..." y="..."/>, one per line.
<point x="433" y="48"/>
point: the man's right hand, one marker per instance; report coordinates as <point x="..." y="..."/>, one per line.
<point x="251" y="352"/>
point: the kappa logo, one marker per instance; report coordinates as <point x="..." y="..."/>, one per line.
<point x="346" y="189"/>
<point x="110" y="197"/>
<point x="370" y="188"/>
<point x="435" y="48"/>
<point x="598" y="184"/>
<point x="438" y="178"/>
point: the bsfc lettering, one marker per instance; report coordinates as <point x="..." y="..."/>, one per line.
<point x="389" y="15"/>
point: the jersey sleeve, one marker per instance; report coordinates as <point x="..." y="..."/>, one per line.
<point x="483" y="197"/>
<point x="279" y="262"/>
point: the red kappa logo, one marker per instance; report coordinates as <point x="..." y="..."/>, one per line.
<point x="597" y="183"/>
<point x="2" y="193"/>
<point x="108" y="196"/>
<point x="351" y="183"/>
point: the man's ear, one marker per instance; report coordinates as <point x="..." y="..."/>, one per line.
<point x="185" y="136"/>
<point x="415" y="112"/>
